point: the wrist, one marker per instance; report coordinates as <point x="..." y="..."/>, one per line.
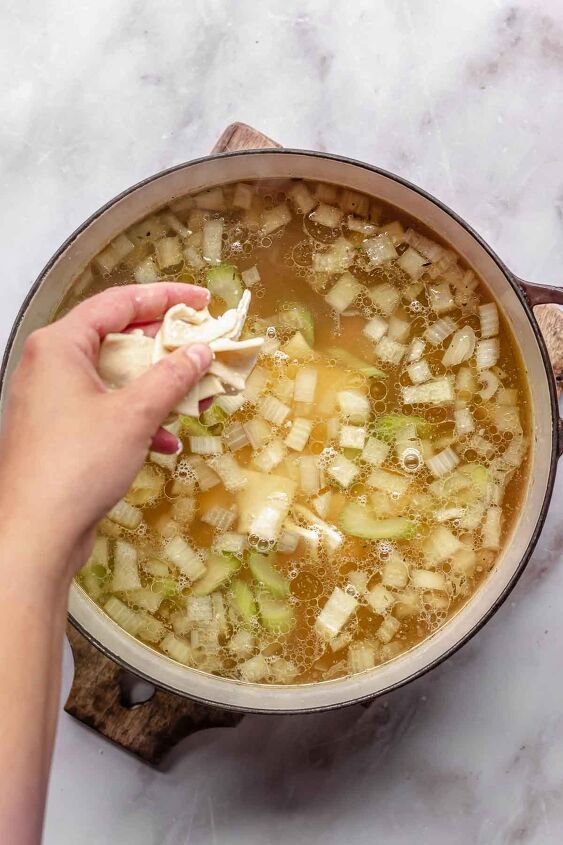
<point x="36" y="554"/>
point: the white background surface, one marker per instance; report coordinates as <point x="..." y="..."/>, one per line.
<point x="464" y="98"/>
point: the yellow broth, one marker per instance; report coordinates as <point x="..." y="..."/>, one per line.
<point x="400" y="587"/>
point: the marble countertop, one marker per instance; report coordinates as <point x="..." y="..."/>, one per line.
<point x="466" y="100"/>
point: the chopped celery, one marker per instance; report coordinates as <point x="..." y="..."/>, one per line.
<point x="389" y="425"/>
<point x="224" y="281"/>
<point x="356" y="520"/>
<point x="295" y="315"/>
<point x="243" y="601"/>
<point x="220" y="567"/>
<point x="353" y="363"/>
<point x="192" y="427"/>
<point x="215" y="415"/>
<point x="275" y="615"/>
<point x="265" y="573"/>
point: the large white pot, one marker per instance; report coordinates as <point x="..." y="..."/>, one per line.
<point x="513" y="296"/>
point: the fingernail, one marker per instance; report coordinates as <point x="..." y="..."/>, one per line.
<point x="201" y="356"/>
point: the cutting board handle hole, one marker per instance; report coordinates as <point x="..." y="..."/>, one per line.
<point x="133" y="691"/>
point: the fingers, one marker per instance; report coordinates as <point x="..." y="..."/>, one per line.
<point x="165" y="442"/>
<point x="151" y="397"/>
<point x="118" y="307"/>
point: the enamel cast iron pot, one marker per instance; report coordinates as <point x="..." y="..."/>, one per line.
<point x="513" y="296"/>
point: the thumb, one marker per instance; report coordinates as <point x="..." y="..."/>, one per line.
<point x="153" y="395"/>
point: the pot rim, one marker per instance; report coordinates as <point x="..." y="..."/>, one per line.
<point x="512" y="281"/>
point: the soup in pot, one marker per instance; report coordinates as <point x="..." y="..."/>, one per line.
<point x="352" y="498"/>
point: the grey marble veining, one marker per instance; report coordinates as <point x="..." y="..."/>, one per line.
<point x="466" y="100"/>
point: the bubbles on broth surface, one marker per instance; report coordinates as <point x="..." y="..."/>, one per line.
<point x="392" y="613"/>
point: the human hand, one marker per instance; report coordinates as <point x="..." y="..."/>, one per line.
<point x="69" y="449"/>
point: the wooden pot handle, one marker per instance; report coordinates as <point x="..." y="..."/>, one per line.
<point x="100" y="694"/>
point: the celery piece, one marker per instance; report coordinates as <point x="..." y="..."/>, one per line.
<point x="243" y="601"/>
<point x="353" y="363"/>
<point x="220" y="568"/>
<point x="224" y="281"/>
<point x="275" y="615"/>
<point x="358" y="522"/>
<point x="191" y="427"/>
<point x="264" y="572"/>
<point x="389" y="425"/>
<point x="294" y="315"/>
<point x="215" y="415"/>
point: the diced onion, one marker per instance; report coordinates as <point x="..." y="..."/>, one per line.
<point x="440" y="298"/>
<point x="375" y="451"/>
<point x="206" y="445"/>
<point x="181" y="554"/>
<point x="379" y="249"/>
<point x="211" y="200"/>
<point x="395" y="572"/>
<point x="219" y="517"/>
<point x="464" y="422"/>
<point x="258" y="432"/>
<point x="428" y="248"/>
<point x="388" y="482"/>
<point x="354" y="405"/>
<point x="425" y="579"/>
<point x="243" y="196"/>
<point x="326" y="215"/>
<point x="343" y="470"/>
<point x="125" y="515"/>
<point x="390" y="351"/>
<point x="212" y="241"/>
<point x="465" y="383"/>
<point x="206" y="477"/>
<point x="488" y="316"/>
<point x="506" y="418"/>
<point x="271" y="456"/>
<point x="491" y="530"/>
<point x="322" y="503"/>
<point x="231" y="474"/>
<point x="462" y="346"/>
<point x="487" y="353"/>
<point x="299" y="434"/>
<point x="338" y="257"/>
<point x="309" y="475"/>
<point x="255" y="384"/>
<point x="230" y="404"/>
<point x="275" y="218"/>
<point x="146" y="271"/>
<point x="344" y="292"/>
<point x="385" y="297"/>
<point x="235" y="437"/>
<point x="361" y="657"/>
<point x="415" y="350"/>
<point x="490" y="385"/>
<point x="352" y="436"/>
<point x="335" y="614"/>
<point x="301" y="198"/>
<point x="437" y="392"/>
<point x="288" y="541"/>
<point x="273" y="410"/>
<point x="440" y="545"/>
<point x="419" y="372"/>
<point x="358" y="224"/>
<point x="412" y="262"/>
<point x="251" y="276"/>
<point x="388" y="629"/>
<point x="375" y="328"/>
<point x="443" y="462"/>
<point x="437" y="332"/>
<point x="305" y="385"/>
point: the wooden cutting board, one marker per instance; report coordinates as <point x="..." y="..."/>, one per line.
<point x="99" y="696"/>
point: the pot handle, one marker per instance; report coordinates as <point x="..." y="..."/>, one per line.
<point x="101" y="698"/>
<point x="546" y="299"/>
